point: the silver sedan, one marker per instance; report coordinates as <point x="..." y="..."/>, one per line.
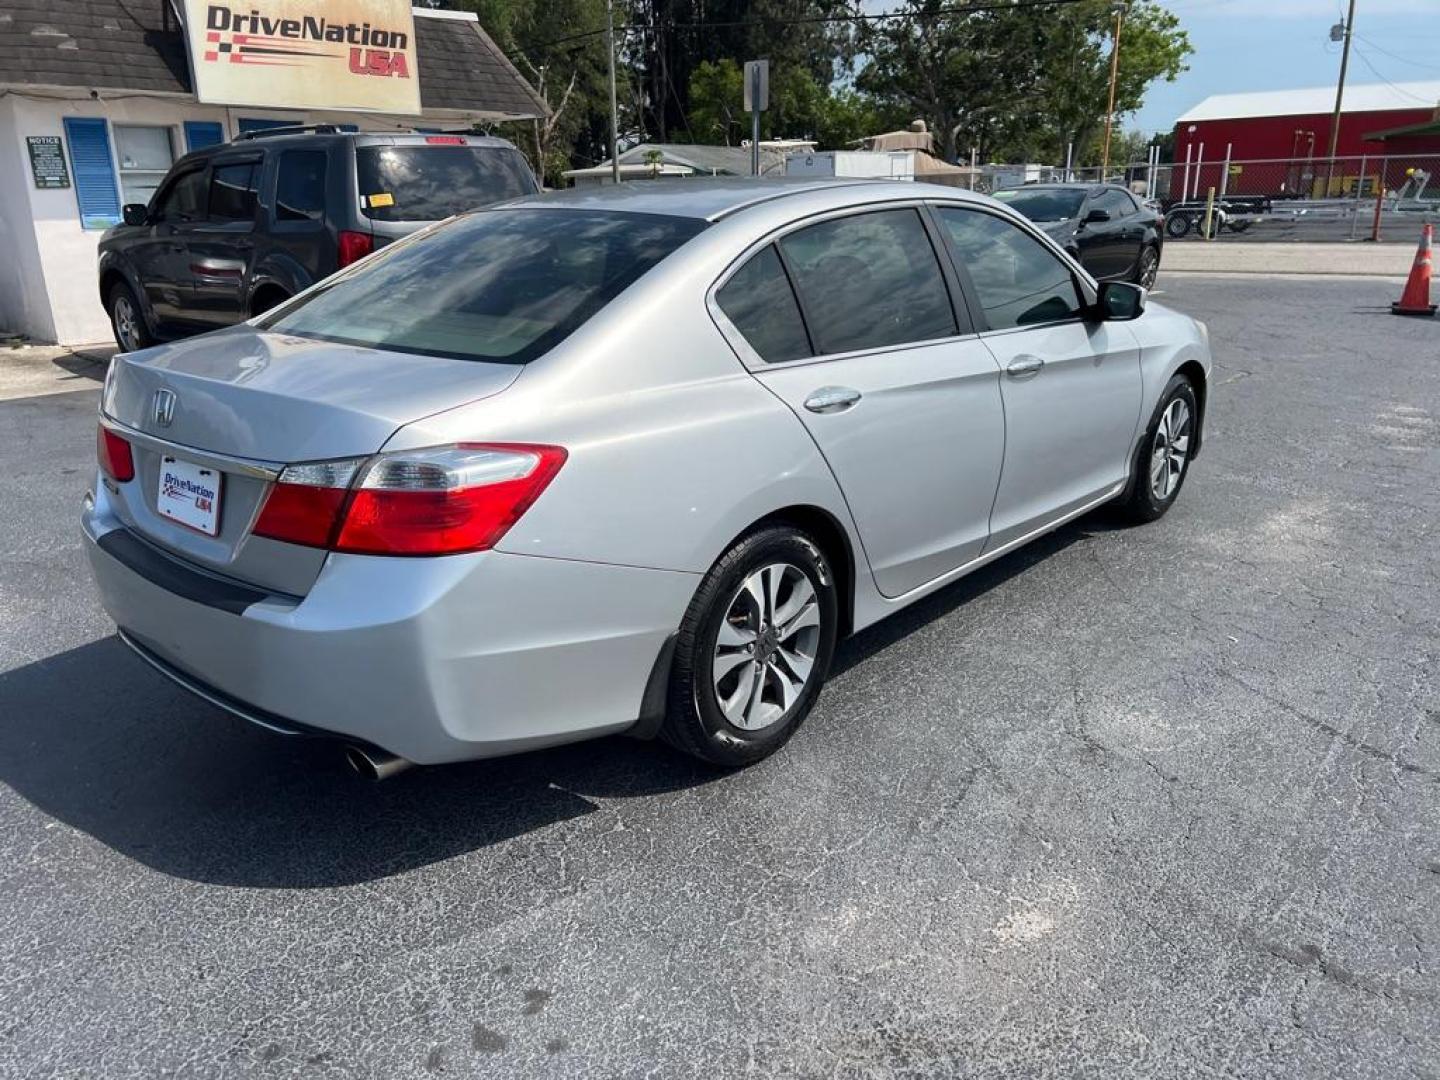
<point x="626" y="459"/>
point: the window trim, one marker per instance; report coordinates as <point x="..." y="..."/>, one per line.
<point x="960" y="304"/>
<point x="1086" y="289"/>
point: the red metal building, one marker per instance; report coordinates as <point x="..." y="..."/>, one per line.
<point x="1292" y="129"/>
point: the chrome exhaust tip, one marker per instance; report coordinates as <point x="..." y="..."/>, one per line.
<point x="375" y="764"/>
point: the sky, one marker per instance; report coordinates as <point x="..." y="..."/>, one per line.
<point x="1243" y="45"/>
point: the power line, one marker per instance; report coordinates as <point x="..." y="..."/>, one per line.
<point x="1406" y="93"/>
<point x="1396" y="56"/>
<point x="810" y="20"/>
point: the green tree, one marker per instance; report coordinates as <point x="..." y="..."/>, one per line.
<point x="1018" y="82"/>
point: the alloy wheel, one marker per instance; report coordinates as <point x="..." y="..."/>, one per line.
<point x="1149" y="267"/>
<point x="126" y="331"/>
<point x="1170" y="450"/>
<point x="765" y="651"/>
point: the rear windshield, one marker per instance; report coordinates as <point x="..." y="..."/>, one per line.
<point x="429" y="183"/>
<point x="1044" y="204"/>
<point x="500" y="285"/>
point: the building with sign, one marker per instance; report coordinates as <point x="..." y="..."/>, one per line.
<point x="97" y="100"/>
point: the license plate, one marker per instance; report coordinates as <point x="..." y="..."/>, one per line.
<point x="189" y="494"/>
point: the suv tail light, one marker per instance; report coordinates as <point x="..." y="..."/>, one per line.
<point x="421" y="502"/>
<point x="354" y="246"/>
<point x="114" y="455"/>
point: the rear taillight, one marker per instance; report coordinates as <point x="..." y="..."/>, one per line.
<point x="116" y="460"/>
<point x="422" y="502"/>
<point x="445" y="140"/>
<point x="354" y="245"/>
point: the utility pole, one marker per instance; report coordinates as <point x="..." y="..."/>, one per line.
<point x="1114" y="74"/>
<point x="1348" y="30"/>
<point x="614" y="107"/>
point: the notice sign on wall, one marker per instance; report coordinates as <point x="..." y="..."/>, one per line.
<point x="47" y="161"/>
<point x="305" y="54"/>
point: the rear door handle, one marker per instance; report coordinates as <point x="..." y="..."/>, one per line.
<point x="1025" y="367"/>
<point x="832" y="399"/>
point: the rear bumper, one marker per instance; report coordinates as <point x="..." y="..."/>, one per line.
<point x="432" y="659"/>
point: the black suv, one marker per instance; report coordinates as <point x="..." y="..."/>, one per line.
<point x="1111" y="232"/>
<point x="237" y="228"/>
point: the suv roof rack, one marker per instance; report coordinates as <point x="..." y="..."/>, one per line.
<point x="288" y="129"/>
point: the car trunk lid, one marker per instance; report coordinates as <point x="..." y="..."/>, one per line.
<point x="240" y="404"/>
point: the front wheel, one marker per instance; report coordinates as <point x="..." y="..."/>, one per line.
<point x="753" y="649"/>
<point x="1163" y="459"/>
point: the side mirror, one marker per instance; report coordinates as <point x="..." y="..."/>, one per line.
<point x="1120" y="301"/>
<point x="136" y="214"/>
<point x="1096" y="216"/>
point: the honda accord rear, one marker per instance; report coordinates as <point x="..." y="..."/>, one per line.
<point x="266" y="530"/>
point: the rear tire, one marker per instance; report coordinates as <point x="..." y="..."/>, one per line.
<point x="1147" y="267"/>
<point x="127" y="319"/>
<point x="1163" y="459"/>
<point x="753" y="650"/>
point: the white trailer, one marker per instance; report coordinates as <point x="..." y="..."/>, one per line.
<point x="869" y="164"/>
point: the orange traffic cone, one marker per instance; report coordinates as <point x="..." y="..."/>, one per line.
<point x="1415" y="300"/>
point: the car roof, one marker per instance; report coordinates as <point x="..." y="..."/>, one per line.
<point x="712" y="199"/>
<point x="1074" y="185"/>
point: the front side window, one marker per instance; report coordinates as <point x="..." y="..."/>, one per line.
<point x="759" y="301"/>
<point x="430" y="183"/>
<point x="869" y="280"/>
<point x="232" y="192"/>
<point x="1116" y="203"/>
<point x="1019" y="281"/>
<point x="183" y="198"/>
<point x="300" y="186"/>
<point x="500" y="285"/>
<point x="145" y="155"/>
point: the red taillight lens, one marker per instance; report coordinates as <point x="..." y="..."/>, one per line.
<point x="439" y="502"/>
<point x="445" y="140"/>
<point x="423" y="502"/>
<point x="355" y="245"/>
<point x="304" y="505"/>
<point x="116" y="461"/>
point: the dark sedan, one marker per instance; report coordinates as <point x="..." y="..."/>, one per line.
<point x="1112" y="233"/>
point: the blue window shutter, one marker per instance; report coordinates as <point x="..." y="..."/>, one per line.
<point x="94" y="171"/>
<point x="202" y="133"/>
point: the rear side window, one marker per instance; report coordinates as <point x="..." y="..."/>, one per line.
<point x="232" y="192"/>
<point x="1019" y="281"/>
<point x="300" y="186"/>
<point x="868" y="281"/>
<point x="759" y="301"/>
<point x="503" y="286"/>
<point x="428" y="183"/>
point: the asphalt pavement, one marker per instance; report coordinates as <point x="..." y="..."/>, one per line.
<point x="1152" y="802"/>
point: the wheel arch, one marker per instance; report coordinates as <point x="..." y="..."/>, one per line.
<point x="1192" y="371"/>
<point x="826" y="530"/>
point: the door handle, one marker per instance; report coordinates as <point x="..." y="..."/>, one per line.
<point x="832" y="399"/>
<point x="1025" y="367"/>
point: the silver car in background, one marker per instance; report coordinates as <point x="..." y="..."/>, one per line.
<point x="621" y="459"/>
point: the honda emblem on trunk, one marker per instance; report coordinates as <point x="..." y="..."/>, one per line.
<point x="164" y="407"/>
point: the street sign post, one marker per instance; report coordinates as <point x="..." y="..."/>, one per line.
<point x="757" y="100"/>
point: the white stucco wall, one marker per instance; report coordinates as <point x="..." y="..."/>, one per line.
<point x="48" y="286"/>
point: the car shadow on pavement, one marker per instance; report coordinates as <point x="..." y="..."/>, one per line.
<point x="95" y="739"/>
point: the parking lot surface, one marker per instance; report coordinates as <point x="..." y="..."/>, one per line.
<point x="1151" y="802"/>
